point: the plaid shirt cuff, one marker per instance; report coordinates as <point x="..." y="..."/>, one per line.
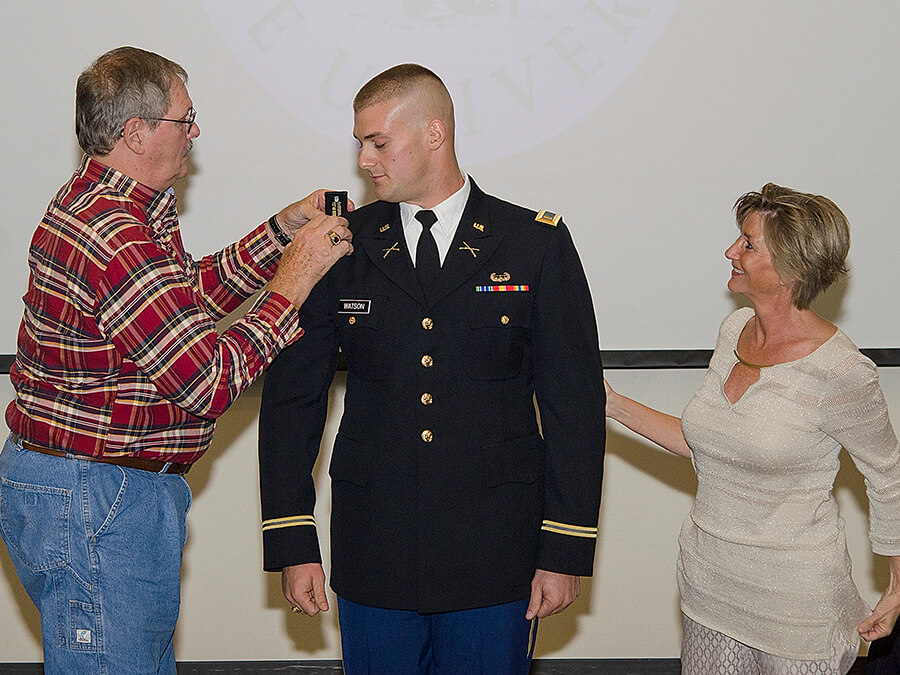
<point x="277" y="310"/>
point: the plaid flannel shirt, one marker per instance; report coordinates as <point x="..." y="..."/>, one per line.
<point x="118" y="351"/>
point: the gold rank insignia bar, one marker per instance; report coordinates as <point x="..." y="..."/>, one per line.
<point x="548" y="218"/>
<point x="336" y="202"/>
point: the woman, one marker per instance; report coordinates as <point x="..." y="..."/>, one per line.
<point x="763" y="567"/>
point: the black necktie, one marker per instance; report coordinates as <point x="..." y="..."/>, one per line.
<point x="428" y="263"/>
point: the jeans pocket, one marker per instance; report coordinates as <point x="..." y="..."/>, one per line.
<point x="34" y="523"/>
<point x="81" y="633"/>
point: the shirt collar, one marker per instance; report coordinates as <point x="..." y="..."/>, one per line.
<point x="448" y="212"/>
<point x="154" y="204"/>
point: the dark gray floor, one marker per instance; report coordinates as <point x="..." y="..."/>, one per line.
<point x="540" y="667"/>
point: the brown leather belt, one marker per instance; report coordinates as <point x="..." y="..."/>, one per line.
<point x="153" y="465"/>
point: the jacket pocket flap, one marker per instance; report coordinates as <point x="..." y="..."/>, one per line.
<point x="351" y="460"/>
<point x="517" y="461"/>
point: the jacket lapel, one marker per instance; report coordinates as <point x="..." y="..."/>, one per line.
<point x="385" y="246"/>
<point x="475" y="241"/>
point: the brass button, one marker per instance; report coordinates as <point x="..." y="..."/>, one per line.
<point x="351" y="320"/>
<point x="427" y="399"/>
<point x="427" y="361"/>
<point x="427" y="323"/>
<point x="504" y="319"/>
<point x="427" y="436"/>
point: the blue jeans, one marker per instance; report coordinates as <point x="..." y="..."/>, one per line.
<point x="494" y="640"/>
<point x="98" y="549"/>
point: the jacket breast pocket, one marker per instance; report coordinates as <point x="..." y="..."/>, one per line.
<point x="499" y="327"/>
<point x="360" y="319"/>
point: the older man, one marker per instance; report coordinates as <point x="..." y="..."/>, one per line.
<point x="456" y="521"/>
<point x="120" y="373"/>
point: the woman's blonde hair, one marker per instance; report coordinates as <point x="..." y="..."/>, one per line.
<point x="807" y="235"/>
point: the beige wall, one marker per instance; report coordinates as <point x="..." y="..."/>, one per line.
<point x="231" y="610"/>
<point x="730" y="96"/>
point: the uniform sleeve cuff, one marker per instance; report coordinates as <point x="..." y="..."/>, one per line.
<point x="288" y="546"/>
<point x="566" y="554"/>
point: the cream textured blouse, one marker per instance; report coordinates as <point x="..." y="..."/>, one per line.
<point x="763" y="555"/>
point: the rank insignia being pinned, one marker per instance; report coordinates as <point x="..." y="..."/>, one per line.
<point x="478" y="226"/>
<point x="384" y="228"/>
<point x="548" y="217"/>
<point x="499" y="277"/>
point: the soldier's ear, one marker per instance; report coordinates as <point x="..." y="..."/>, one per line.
<point x="437" y="134"/>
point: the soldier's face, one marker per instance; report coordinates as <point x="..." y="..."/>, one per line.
<point x="394" y="150"/>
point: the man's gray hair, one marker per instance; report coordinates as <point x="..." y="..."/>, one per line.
<point x="121" y="84"/>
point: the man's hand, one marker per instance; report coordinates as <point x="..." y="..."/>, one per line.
<point x="304" y="587"/>
<point x="312" y="252"/>
<point x="551" y="593"/>
<point x="293" y="216"/>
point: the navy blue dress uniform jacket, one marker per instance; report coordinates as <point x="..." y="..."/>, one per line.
<point x="446" y="493"/>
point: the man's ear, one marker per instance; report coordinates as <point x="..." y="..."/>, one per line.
<point x="133" y="135"/>
<point x="437" y="134"/>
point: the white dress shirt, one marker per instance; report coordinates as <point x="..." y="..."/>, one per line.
<point x="448" y="214"/>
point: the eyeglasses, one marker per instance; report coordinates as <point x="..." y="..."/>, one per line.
<point x="191" y="116"/>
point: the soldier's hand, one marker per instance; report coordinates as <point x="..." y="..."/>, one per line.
<point x="551" y="593"/>
<point x="304" y="587"/>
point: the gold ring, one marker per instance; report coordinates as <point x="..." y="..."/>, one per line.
<point x="297" y="610"/>
<point x="335" y="237"/>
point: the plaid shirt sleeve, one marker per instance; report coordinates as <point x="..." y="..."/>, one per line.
<point x="158" y="308"/>
<point x="232" y="275"/>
